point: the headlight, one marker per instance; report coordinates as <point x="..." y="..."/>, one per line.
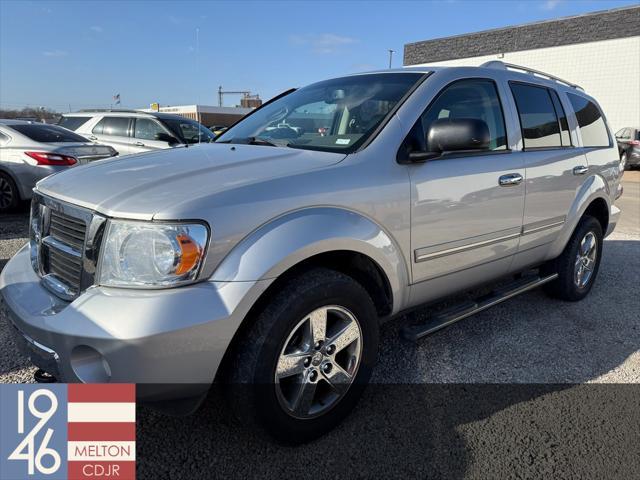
<point x="142" y="254"/>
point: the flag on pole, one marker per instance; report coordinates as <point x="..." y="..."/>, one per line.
<point x="116" y="98"/>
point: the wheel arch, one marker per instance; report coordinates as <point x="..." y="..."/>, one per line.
<point x="346" y="240"/>
<point x="593" y="199"/>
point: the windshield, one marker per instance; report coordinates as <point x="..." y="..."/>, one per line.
<point x="190" y="131"/>
<point x="335" y="115"/>
<point x="48" y="133"/>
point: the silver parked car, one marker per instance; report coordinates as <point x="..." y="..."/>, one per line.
<point x="31" y="151"/>
<point x="135" y="131"/>
<point x="267" y="260"/>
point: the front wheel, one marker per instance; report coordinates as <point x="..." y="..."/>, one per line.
<point x="577" y="266"/>
<point x="303" y="364"/>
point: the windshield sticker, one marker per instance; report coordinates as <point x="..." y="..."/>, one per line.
<point x="343" y="141"/>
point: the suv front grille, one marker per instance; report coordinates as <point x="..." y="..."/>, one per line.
<point x="64" y="243"/>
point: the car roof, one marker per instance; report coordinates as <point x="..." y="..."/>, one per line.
<point x="494" y="69"/>
<point x="124" y="113"/>
<point x="11" y="121"/>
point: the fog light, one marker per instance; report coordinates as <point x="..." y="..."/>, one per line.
<point x="89" y="365"/>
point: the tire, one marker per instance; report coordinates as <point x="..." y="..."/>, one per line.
<point x="570" y="284"/>
<point x="9" y="196"/>
<point x="263" y="400"/>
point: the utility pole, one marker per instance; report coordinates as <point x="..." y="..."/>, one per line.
<point x="391" y="52"/>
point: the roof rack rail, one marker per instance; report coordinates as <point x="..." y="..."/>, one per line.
<point x="530" y="71"/>
<point x="117" y="110"/>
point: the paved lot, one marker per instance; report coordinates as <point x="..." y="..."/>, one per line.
<point x="493" y="396"/>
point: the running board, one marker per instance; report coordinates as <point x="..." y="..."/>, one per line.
<point x="458" y="312"/>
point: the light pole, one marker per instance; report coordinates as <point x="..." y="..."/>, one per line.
<point x="391" y="52"/>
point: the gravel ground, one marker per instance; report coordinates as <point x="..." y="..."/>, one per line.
<point x="516" y="391"/>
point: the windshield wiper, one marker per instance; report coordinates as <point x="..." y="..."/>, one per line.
<point x="257" y="141"/>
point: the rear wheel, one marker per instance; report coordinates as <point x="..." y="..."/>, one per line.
<point x="577" y="266"/>
<point x="9" y="197"/>
<point x="304" y="363"/>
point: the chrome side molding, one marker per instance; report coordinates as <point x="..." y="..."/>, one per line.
<point x="536" y="227"/>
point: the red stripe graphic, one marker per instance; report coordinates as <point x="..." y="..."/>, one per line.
<point x="98" y="392"/>
<point x="101" y="470"/>
<point x="103" y="431"/>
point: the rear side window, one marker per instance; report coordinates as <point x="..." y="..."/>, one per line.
<point x="539" y="121"/>
<point x="48" y="133"/>
<point x="73" y="123"/>
<point x="114" y="126"/>
<point x="591" y="122"/>
<point x="472" y="98"/>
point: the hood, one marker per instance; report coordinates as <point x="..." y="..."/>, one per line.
<point x="141" y="186"/>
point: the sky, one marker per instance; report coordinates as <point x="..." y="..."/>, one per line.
<point x="78" y="54"/>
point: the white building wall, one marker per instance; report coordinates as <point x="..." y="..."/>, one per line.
<point x="608" y="70"/>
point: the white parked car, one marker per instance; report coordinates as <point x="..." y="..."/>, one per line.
<point x="30" y="151"/>
<point x="133" y="131"/>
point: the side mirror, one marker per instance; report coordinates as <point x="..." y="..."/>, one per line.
<point x="165" y="137"/>
<point x="446" y="135"/>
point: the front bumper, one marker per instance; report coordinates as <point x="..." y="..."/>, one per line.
<point x="170" y="342"/>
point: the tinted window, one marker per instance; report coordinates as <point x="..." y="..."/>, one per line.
<point x="538" y="120"/>
<point x="147" y="129"/>
<point x="48" y="133"/>
<point x="592" y="127"/>
<point x="73" y="123"/>
<point x="114" y="126"/>
<point x="476" y="99"/>
<point x="562" y="117"/>
<point x="190" y="131"/>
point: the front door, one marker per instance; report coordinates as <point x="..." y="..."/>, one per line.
<point x="144" y="136"/>
<point x="466" y="208"/>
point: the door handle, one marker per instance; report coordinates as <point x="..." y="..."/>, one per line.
<point x="139" y="144"/>
<point x="580" y="170"/>
<point x="510" y="180"/>
<point x="92" y="137"/>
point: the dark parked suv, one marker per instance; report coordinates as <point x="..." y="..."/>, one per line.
<point x="629" y="146"/>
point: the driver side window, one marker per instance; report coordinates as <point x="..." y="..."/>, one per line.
<point x="467" y="99"/>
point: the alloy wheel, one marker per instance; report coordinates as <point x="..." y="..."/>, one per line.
<point x="318" y="362"/>
<point x="585" y="260"/>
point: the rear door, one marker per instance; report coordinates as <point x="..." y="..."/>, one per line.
<point x="555" y="169"/>
<point x="463" y="212"/>
<point x="114" y="131"/>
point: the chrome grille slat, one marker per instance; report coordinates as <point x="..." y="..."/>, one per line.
<point x="64" y="264"/>
<point x="73" y="240"/>
<point x="78" y="226"/>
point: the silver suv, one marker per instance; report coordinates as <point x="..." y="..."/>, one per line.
<point x="267" y="260"/>
<point x="135" y="131"/>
